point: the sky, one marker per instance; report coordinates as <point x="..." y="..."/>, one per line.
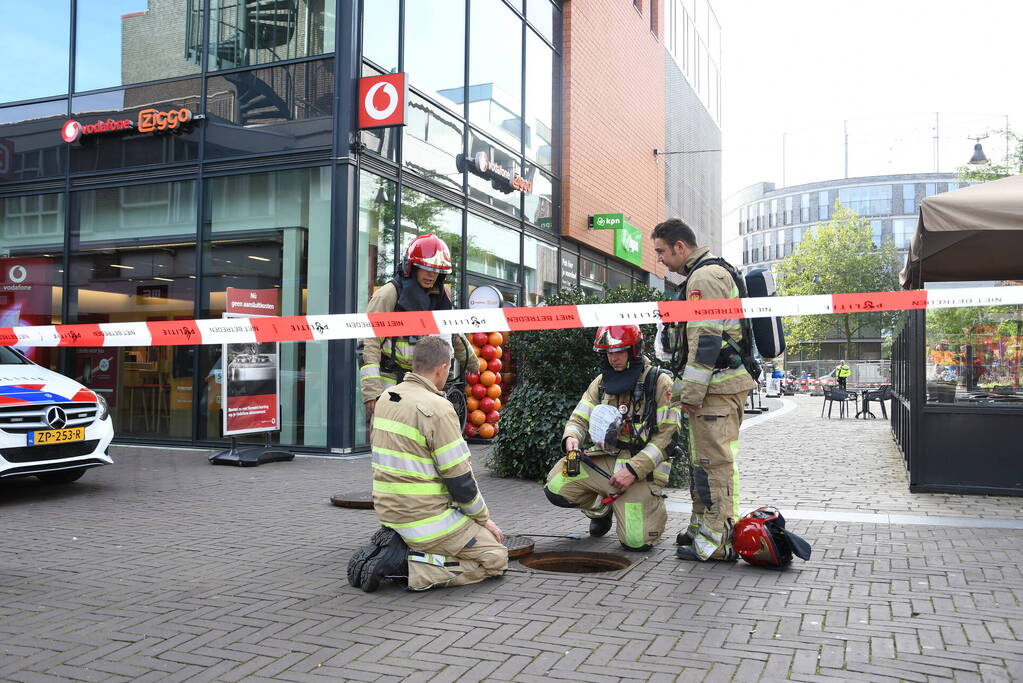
<point x="794" y="70"/>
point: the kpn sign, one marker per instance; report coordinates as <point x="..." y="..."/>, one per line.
<point x="629" y="244"/>
<point x="607" y="221"/>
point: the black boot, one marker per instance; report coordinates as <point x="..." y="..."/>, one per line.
<point x="684" y="538"/>
<point x="600" y="525"/>
<point x="390" y="560"/>
<point x="366" y="553"/>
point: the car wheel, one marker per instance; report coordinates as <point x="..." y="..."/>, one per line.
<point x="61" y="476"/>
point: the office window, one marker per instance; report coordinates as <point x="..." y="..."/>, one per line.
<point x="435" y="49"/>
<point x="39" y="28"/>
<point x="930" y="189"/>
<point x="953" y="187"/>
<point x="772" y="220"/>
<point x="804" y="208"/>
<point x="909" y="198"/>
<point x="822" y="205"/>
<point x="250" y="33"/>
<point x="873" y="200"/>
<point x="902" y="232"/>
<point x="788" y="210"/>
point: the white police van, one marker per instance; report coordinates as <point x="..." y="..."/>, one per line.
<point x="51" y="426"/>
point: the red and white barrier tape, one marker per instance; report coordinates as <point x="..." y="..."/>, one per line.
<point x="362" y="325"/>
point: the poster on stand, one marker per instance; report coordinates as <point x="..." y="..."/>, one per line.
<point x="251" y="378"/>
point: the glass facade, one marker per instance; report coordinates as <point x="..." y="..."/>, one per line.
<point x="211" y="166"/>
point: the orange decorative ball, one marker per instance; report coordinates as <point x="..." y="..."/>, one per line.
<point x="487" y="430"/>
<point x="486" y="404"/>
<point x="495" y="338"/>
<point x="498" y="352"/>
<point x="477" y="417"/>
<point x="472" y="404"/>
<point x="488" y="378"/>
<point x="493" y="416"/>
<point x="471" y="430"/>
<point x="479" y="391"/>
<point x="497" y="404"/>
<point x="494" y="390"/>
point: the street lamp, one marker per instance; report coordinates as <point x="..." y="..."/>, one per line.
<point x="978" y="158"/>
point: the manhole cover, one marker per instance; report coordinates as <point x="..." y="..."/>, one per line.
<point x="575" y="562"/>
<point x="353" y="499"/>
<point x="518" y="546"/>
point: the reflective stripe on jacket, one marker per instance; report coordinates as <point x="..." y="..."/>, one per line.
<point x="652" y="457"/>
<point x="418" y="452"/>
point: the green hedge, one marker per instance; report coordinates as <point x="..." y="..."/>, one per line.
<point x="554" y="369"/>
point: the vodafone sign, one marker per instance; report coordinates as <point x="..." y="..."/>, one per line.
<point x="383" y="100"/>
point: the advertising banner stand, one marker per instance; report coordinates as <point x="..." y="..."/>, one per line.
<point x="250" y="393"/>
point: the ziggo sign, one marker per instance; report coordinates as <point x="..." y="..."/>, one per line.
<point x="149" y="121"/>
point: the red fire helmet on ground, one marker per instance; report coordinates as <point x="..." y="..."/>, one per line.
<point x="760" y="538"/>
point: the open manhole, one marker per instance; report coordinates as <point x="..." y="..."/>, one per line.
<point x="574" y="562"/>
<point x="362" y="500"/>
<point x="518" y="546"/>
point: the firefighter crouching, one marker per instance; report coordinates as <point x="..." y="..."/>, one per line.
<point x="436" y="528"/>
<point x="638" y="464"/>
<point x="417" y="286"/>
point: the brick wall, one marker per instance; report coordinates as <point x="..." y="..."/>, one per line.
<point x="613" y="103"/>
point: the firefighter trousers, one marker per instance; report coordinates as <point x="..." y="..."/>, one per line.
<point x="640" y="513"/>
<point x="468" y="555"/>
<point x="714" y="436"/>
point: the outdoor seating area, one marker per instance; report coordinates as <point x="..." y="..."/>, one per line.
<point x="842" y="397"/>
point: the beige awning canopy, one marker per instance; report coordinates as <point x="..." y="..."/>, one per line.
<point x="971" y="234"/>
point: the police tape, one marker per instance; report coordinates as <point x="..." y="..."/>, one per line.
<point x="365" y="325"/>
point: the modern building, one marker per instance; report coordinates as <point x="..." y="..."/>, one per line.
<point x="160" y="159"/>
<point x="766" y="223"/>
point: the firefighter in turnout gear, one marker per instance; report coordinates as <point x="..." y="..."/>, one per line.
<point x="622" y="474"/>
<point x="713" y="357"/>
<point x="436" y="529"/>
<point x="417" y="286"/>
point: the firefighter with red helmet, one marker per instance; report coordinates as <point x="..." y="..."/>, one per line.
<point x="626" y="417"/>
<point x="417" y="286"/>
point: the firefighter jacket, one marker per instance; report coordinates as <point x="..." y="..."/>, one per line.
<point x="705" y="337"/>
<point x="644" y="450"/>
<point x="843" y="371"/>
<point x="399" y="349"/>
<point x="423" y="485"/>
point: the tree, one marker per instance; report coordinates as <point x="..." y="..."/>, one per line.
<point x="838" y="257"/>
<point x="1011" y="164"/>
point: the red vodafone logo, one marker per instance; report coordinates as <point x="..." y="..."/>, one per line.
<point x="70" y="131"/>
<point x="383" y="100"/>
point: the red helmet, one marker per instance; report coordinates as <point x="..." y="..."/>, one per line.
<point x="427" y="252"/>
<point x="760" y="538"/>
<point x="618" y="338"/>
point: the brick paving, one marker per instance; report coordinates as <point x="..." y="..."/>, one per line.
<point x="164" y="568"/>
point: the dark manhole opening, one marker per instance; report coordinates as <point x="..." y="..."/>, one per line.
<point x="362" y="500"/>
<point x="575" y="562"/>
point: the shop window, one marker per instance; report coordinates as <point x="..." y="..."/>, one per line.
<point x="133" y="260"/>
<point x="270" y="110"/>
<point x="495" y="174"/>
<point x="121" y="42"/>
<point x="539" y="119"/>
<point x="433" y="144"/>
<point x="592" y="277"/>
<point x="539" y="201"/>
<point x="420" y="214"/>
<point x="491" y="249"/>
<point x="267" y="239"/>
<point x="569" y="270"/>
<point x="973" y="355"/>
<point x="540" y="269"/>
<point x="34" y="29"/>
<point x="380" y="24"/>
<point x="495" y="71"/>
<point x="32" y="266"/>
<point x="435" y="49"/>
<point x="30" y="143"/>
<point x="177" y="142"/>
<point x="249" y="32"/>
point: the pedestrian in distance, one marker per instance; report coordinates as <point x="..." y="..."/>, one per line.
<point x="715" y="360"/>
<point x="842" y="373"/>
<point x="436" y="528"/>
<point x="621" y="474"/>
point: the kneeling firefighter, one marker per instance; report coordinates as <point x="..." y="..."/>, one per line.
<point x="417" y="286"/>
<point x="627" y="415"/>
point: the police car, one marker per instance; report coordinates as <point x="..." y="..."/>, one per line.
<point x="50" y="426"/>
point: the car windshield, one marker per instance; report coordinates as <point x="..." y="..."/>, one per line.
<point x="9" y="357"/>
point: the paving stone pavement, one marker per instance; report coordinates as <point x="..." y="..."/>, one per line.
<point x="162" y="567"/>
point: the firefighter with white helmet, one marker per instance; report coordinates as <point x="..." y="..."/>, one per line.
<point x="417" y="286"/>
<point x="626" y="416"/>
